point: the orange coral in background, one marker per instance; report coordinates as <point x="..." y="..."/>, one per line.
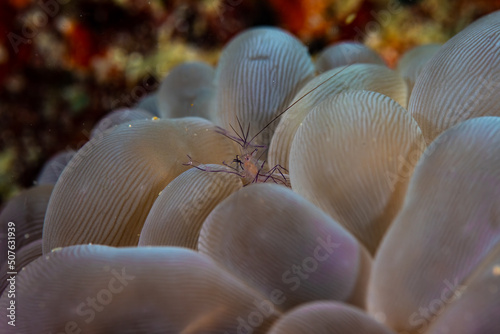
<point x="315" y="18"/>
<point x="19" y="4"/>
<point x="81" y="48"/>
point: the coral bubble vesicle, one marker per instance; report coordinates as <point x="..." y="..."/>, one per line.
<point x="353" y="157"/>
<point x="327" y="317"/>
<point x="413" y="62"/>
<point x="346" y="53"/>
<point x="461" y="80"/>
<point x="188" y="90"/>
<point x="25" y="213"/>
<point x="258" y="74"/>
<point x="440" y="254"/>
<point x="108" y="188"/>
<point x="178" y="213"/>
<point x="370" y="77"/>
<point x="101" y="289"/>
<point x="285" y="247"/>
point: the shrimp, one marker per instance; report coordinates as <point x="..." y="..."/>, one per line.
<point x="248" y="165"/>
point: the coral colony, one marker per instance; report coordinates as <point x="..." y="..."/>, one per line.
<point x="274" y="194"/>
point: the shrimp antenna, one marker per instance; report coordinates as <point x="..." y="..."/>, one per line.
<point x="236" y="132"/>
<point x="248" y="131"/>
<point x="243" y="138"/>
<point x="225" y="134"/>
<point x="262" y="154"/>
<point x="290" y="106"/>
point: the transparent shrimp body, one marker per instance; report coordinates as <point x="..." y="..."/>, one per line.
<point x="249" y="168"/>
<point x="248" y="164"/>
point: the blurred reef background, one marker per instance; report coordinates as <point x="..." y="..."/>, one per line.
<point x="66" y="63"/>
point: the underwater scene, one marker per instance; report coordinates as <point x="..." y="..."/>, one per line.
<point x="250" y="166"/>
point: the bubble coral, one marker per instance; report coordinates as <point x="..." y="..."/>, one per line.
<point x="370" y="77"/>
<point x="53" y="168"/>
<point x="187" y="90"/>
<point x="413" y="62"/>
<point x="325" y="317"/>
<point x="100" y="289"/>
<point x="460" y="81"/>
<point x="350" y="157"/>
<point x="26" y="211"/>
<point x="105" y="193"/>
<point x="272" y="256"/>
<point x="258" y="74"/>
<point x="346" y="53"/>
<point x="23" y="257"/>
<point x="176" y="217"/>
<point x="441" y="251"/>
<point x="117" y="117"/>
<point x="288" y="249"/>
